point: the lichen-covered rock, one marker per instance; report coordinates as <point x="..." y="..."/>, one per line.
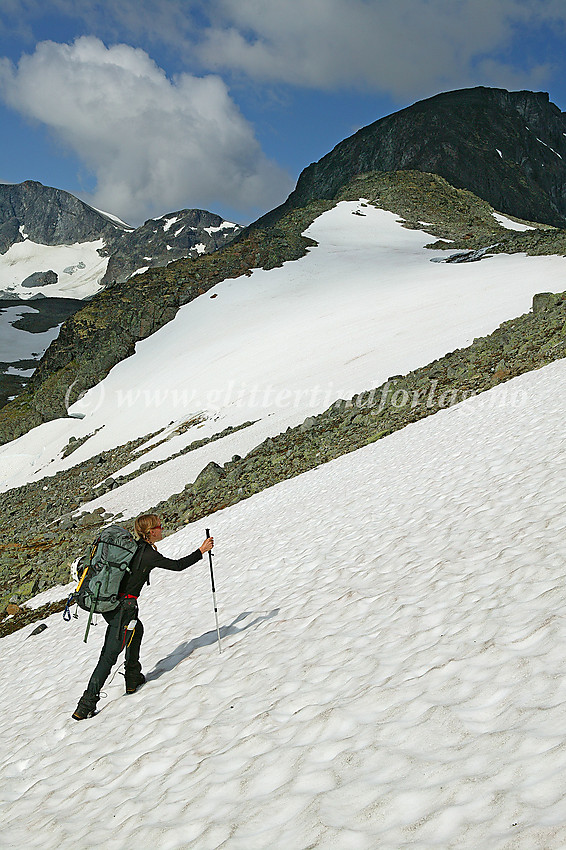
<point x="542" y="301"/>
<point x="209" y="476"/>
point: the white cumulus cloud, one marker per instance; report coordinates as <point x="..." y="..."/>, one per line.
<point x="154" y="144"/>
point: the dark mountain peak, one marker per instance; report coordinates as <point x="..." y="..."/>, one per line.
<point x="49" y="216"/>
<point x="482" y="94"/>
<point x="507" y="147"/>
<point x="533" y="107"/>
<point x="191" y="218"/>
<point x="185" y="233"/>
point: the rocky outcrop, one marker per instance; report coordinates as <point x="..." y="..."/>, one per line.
<point x="508" y="148"/>
<point x="40" y="279"/>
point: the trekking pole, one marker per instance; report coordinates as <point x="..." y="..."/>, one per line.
<point x="213" y="592"/>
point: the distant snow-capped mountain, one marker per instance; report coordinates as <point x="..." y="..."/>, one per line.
<point x="54" y="245"/>
<point x="56" y="251"/>
<point x="185" y="233"/>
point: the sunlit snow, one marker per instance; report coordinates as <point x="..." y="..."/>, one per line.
<point x="392" y="671"/>
<point x="510" y="224"/>
<point x="279" y="345"/>
<point x="79" y="268"/>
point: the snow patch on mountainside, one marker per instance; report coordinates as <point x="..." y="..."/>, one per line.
<point x="115" y="219"/>
<point x="78" y="267"/>
<point x="169" y="222"/>
<point x="363" y="305"/>
<point x="510" y="224"/>
<point x="226" y="225"/>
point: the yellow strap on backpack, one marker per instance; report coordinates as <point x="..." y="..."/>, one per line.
<point x="79" y="585"/>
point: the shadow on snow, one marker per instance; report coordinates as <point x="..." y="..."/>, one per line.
<point x="184" y="650"/>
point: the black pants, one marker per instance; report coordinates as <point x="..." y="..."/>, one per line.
<point x="117" y="637"/>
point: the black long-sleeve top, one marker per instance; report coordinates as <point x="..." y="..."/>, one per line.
<point x="145" y="560"/>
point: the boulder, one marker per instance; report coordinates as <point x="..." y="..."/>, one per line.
<point x="88" y="520"/>
<point x="41" y="279"/>
<point x="210" y="475"/>
<point x="27" y="589"/>
<point x="66" y="523"/>
<point x="542" y="301"/>
<point x="307" y="424"/>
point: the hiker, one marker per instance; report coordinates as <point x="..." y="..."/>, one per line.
<point x="124" y="628"/>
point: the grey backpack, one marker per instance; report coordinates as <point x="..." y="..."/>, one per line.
<point x="105" y="565"/>
<point x="101" y="571"/>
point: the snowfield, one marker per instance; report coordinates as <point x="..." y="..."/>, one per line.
<point x="393" y="671"/>
<point x="79" y="269"/>
<point x="280" y="345"/>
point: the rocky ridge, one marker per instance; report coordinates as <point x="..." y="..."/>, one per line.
<point x="106" y="330"/>
<point x="508" y="148"/>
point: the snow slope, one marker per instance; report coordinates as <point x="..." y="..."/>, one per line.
<point x="510" y="224"/>
<point x="277" y="346"/>
<point x="79" y="269"/>
<point x="392" y="674"/>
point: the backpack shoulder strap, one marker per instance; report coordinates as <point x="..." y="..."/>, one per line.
<point x="136" y="562"/>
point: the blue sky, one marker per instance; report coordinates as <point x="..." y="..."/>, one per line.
<point x="141" y="108"/>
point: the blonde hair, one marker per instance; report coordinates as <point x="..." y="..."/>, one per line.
<point x="143" y="526"/>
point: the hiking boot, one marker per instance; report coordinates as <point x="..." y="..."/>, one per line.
<point x="134" y="683"/>
<point x="82" y="711"/>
